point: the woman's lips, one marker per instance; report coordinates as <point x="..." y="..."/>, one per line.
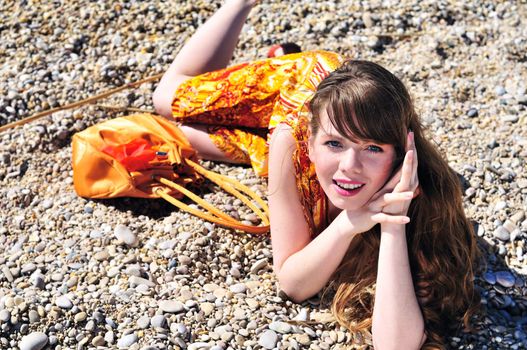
<point x="347" y="192"/>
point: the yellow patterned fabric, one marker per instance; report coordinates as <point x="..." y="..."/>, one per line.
<point x="243" y="104"/>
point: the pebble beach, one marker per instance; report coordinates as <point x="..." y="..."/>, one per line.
<point x="138" y="274"/>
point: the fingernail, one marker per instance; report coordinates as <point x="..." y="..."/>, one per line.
<point x="406" y="220"/>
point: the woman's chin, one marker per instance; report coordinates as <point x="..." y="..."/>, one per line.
<point x="341" y="204"/>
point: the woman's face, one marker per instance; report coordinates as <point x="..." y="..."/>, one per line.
<point x="349" y="171"/>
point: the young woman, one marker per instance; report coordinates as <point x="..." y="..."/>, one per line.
<point x="357" y="195"/>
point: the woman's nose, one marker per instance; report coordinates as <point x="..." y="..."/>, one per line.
<point x="350" y="161"/>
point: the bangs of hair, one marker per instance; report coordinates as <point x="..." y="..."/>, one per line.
<point x="372" y="105"/>
<point x="366" y="114"/>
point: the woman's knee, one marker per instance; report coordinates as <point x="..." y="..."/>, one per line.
<point x="164" y="93"/>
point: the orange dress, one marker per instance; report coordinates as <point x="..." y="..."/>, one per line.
<point x="243" y="104"/>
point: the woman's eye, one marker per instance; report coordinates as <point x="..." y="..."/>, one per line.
<point x="374" y="149"/>
<point x="332" y="144"/>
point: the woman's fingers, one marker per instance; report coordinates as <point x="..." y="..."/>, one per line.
<point x="382" y="218"/>
<point x="390" y="198"/>
<point x="415" y="161"/>
<point x="407" y="172"/>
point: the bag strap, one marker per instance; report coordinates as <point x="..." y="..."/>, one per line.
<point x="215" y="215"/>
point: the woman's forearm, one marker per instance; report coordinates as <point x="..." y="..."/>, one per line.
<point x="306" y="272"/>
<point x="397" y="319"/>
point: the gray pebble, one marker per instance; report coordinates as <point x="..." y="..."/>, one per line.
<point x="143" y="322"/>
<point x="238" y="288"/>
<point x="500" y="90"/>
<point x="472" y="113"/>
<point x="171" y="306"/>
<point x="511" y="118"/>
<point x="302" y="315"/>
<point x="109" y="337"/>
<point x="268" y="339"/>
<point x="127" y="340"/>
<point x="5" y="316"/>
<point x="98" y="317"/>
<point x="64" y="302"/>
<point x="134" y="280"/>
<point x="33" y="316"/>
<point x="258" y="265"/>
<point x="33" y="341"/>
<point x="280" y="327"/>
<point x="199" y="346"/>
<point x="7" y="274"/>
<point x="125" y="235"/>
<point x="502" y="234"/>
<point x="158" y="321"/>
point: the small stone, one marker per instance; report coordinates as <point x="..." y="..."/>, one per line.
<point x="238" y="288"/>
<point x="33" y="316"/>
<point x="5" y="316"/>
<point x="268" y="339"/>
<point x="134" y="280"/>
<point x="109" y="337"/>
<point x="98" y="341"/>
<point x="239" y="314"/>
<point x="158" y="321"/>
<point x="518" y="217"/>
<point x="302" y="315"/>
<point x="472" y="113"/>
<point x="280" y="327"/>
<point x="178" y="328"/>
<point x="500" y="90"/>
<point x="98" y="317"/>
<point x="33" y="341"/>
<point x="47" y="203"/>
<point x="509" y="225"/>
<point x="511" y="118"/>
<point x="505" y="278"/>
<point x="500" y="205"/>
<point x="489" y="277"/>
<point x="502" y="234"/>
<point x="207" y="308"/>
<point x="125" y="235"/>
<point x="199" y="346"/>
<point x="171" y="306"/>
<point x="303" y="339"/>
<point x="90" y="326"/>
<point x="258" y="265"/>
<point x="127" y="340"/>
<point x="64" y="302"/>
<point x="143" y="322"/>
<point x="7" y="274"/>
<point x="102" y="255"/>
<point x="81" y="316"/>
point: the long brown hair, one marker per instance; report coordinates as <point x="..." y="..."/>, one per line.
<point x="363" y="100"/>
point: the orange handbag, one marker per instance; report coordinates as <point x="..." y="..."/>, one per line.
<point x="147" y="156"/>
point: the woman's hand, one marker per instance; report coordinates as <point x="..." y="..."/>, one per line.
<point x="405" y="181"/>
<point x="390" y="204"/>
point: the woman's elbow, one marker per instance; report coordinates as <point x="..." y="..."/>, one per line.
<point x="290" y="288"/>
<point x="386" y="344"/>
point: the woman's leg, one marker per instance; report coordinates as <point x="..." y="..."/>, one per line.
<point x="200" y="140"/>
<point x="210" y="48"/>
<point x="231" y="145"/>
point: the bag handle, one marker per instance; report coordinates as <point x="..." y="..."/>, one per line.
<point x="215" y="215"/>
